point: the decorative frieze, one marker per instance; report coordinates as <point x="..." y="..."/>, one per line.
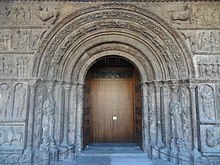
<point x="19" y="40"/>
<point x="203" y="42"/>
<point x="128" y="22"/>
<point x="209" y="68"/>
<point x="53" y="116"/>
<point x="111" y="74"/>
<point x="26" y="15"/>
<point x="15" y="66"/>
<point x="194" y="16"/>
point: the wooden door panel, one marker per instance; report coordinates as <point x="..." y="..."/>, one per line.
<point x="110" y="98"/>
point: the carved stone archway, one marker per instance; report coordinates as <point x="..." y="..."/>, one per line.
<point x="147" y="41"/>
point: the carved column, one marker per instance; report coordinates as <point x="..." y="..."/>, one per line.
<point x="50" y="87"/>
<point x="158" y="108"/>
<point x="192" y="88"/>
<point x="66" y="114"/>
<point x="72" y="115"/>
<point x="166" y="115"/>
<point x="32" y="94"/>
<point x="145" y="119"/>
<point x="79" y="117"/>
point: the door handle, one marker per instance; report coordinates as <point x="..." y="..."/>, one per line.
<point x="114" y="118"/>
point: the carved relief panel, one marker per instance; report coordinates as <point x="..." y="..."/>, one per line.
<point x="210" y="139"/>
<point x="5" y="100"/>
<point x="13" y="101"/>
<point x="207" y="111"/>
<point x="193" y="16"/>
<point x="20" y="101"/>
<point x="202" y="42"/>
<point x="209" y="68"/>
<point x="180" y="121"/>
<point x="186" y="114"/>
<point x="11" y="136"/>
<point x="28" y="15"/>
<point x="16" y="40"/>
<point x="15" y="66"/>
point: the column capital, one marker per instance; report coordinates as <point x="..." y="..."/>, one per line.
<point x="192" y="86"/>
<point x="67" y="86"/>
<point x="50" y="85"/>
<point x="80" y="84"/>
<point x="143" y="84"/>
<point x="33" y="85"/>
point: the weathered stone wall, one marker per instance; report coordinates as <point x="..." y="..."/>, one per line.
<point x="46" y="49"/>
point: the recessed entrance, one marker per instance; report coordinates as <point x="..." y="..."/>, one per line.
<point x="112" y="103"/>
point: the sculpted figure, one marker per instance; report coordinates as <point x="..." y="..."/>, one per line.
<point x="3" y="137"/>
<point x="44" y="14"/>
<point x="35" y="41"/>
<point x="200" y="40"/>
<point x="16" y="15"/>
<point x="20" y="93"/>
<point x="208" y="68"/>
<point x="170" y="64"/>
<point x="184" y="15"/>
<point x="25" y="40"/>
<point x="211" y="139"/>
<point x="7" y="41"/>
<point x="48" y="117"/>
<point x="17" y="39"/>
<point x="4" y="99"/>
<point x="207" y="96"/>
<point x="214" y="69"/>
<point x="5" y="14"/>
<point x="175" y="113"/>
<point x="22" y="15"/>
<point x="201" y="68"/>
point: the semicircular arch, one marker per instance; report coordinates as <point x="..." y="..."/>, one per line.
<point x="121" y="17"/>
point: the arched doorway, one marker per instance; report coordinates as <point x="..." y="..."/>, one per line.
<point x="112" y="103"/>
<point x="155" y="48"/>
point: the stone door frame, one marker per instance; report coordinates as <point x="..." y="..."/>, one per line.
<point x="75" y="42"/>
<point x="80" y="92"/>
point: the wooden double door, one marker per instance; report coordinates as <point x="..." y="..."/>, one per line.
<point x="112" y="110"/>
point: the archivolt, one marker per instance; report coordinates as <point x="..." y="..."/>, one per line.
<point x="158" y="45"/>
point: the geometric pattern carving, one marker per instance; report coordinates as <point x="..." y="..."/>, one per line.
<point x="111" y="74"/>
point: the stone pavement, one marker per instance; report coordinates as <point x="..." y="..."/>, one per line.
<point x="113" y="154"/>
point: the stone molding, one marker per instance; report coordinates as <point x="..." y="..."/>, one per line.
<point x="169" y="39"/>
<point x="114" y="0"/>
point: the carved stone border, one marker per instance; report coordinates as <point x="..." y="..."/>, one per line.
<point x="160" y="28"/>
